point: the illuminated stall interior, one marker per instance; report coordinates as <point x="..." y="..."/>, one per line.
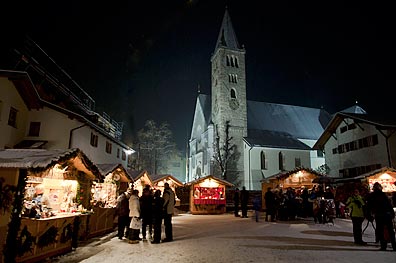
<point x="385" y="176"/>
<point x="160" y="180"/>
<point x="207" y="195"/>
<point x="140" y="180"/>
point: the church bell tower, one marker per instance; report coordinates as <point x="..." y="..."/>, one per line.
<point x="229" y="103"/>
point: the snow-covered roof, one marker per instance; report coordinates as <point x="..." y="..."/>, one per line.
<point x="39" y="160"/>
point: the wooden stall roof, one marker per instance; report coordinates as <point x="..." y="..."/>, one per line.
<point x="137" y="174"/>
<point x="158" y="177"/>
<point x="106" y="168"/>
<point x="378" y="172"/>
<point x="38" y="160"/>
<point x="210" y="177"/>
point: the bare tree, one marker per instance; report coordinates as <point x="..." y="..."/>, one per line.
<point x="154" y="145"/>
<point x="224" y="151"/>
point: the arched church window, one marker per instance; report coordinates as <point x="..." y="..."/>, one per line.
<point x="228" y="60"/>
<point x="263" y="161"/>
<point x="281" y="161"/>
<point x="232" y="62"/>
<point x="233" y="94"/>
<point x="229" y="78"/>
<point x="236" y="62"/>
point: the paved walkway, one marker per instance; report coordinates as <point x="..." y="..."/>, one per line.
<point x="225" y="238"/>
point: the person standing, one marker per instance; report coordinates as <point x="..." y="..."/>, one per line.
<point x="356" y="203"/>
<point x="146" y="201"/>
<point x="122" y="210"/>
<point x="134" y="212"/>
<point x="169" y="204"/>
<point x="269" y="205"/>
<point x="236" y="202"/>
<point x="158" y="204"/>
<point x="380" y="207"/>
<point x="244" y="201"/>
<point x="257" y="206"/>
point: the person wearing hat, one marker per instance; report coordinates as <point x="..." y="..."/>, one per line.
<point x="122" y="211"/>
<point x="380" y="207"/>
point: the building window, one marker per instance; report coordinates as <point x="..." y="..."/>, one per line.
<point x="108" y="147"/>
<point x="281" y="161"/>
<point x="263" y="161"/>
<point x="343" y="129"/>
<point x="123" y="156"/>
<point x="118" y="152"/>
<point x="12" y="117"/>
<point x="228" y="60"/>
<point x="297" y="162"/>
<point x="34" y="129"/>
<point x="236" y="62"/>
<point x="233" y="94"/>
<point x="319" y="153"/>
<point x="94" y="140"/>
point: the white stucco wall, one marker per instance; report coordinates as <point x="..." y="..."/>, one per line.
<point x="316" y="160"/>
<point x="81" y="138"/>
<point x="362" y="157"/>
<point x="253" y="173"/>
<point x="56" y="128"/>
<point x="9" y="97"/>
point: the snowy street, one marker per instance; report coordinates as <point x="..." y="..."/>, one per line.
<point x="225" y="238"/>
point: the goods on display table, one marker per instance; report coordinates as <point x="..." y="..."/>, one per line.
<point x="208" y="195"/>
<point x="104" y="201"/>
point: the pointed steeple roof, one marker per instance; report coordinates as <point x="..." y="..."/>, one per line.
<point x="355" y="109"/>
<point x="227" y="37"/>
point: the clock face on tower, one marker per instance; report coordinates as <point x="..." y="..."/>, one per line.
<point x="234" y="104"/>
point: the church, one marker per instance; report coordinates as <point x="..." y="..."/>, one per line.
<point x="245" y="141"/>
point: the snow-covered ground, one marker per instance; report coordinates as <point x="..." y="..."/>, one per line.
<point x="225" y="238"/>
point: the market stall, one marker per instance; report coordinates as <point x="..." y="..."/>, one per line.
<point x="385" y="176"/>
<point x="207" y="195"/>
<point x="50" y="200"/>
<point x="297" y="178"/>
<point x="140" y="179"/>
<point x="104" y="198"/>
<point x="159" y="181"/>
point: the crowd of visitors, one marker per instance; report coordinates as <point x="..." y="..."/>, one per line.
<point x="144" y="215"/>
<point x="289" y="203"/>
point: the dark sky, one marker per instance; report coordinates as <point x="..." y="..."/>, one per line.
<point x="144" y="60"/>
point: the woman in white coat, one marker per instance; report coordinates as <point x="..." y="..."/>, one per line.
<point x="134" y="212"/>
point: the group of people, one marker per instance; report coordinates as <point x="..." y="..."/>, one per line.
<point x="318" y="202"/>
<point x="375" y="207"/>
<point x="287" y="204"/>
<point x="241" y="197"/>
<point x="145" y="214"/>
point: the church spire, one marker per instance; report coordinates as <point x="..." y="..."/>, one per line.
<point x="227" y="37"/>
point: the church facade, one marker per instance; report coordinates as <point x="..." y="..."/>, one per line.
<point x="254" y="139"/>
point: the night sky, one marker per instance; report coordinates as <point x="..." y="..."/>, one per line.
<point x="145" y="60"/>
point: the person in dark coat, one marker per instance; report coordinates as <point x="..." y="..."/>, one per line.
<point x="257" y="206"/>
<point x="158" y="204"/>
<point x="379" y="205"/>
<point x="269" y="205"/>
<point x="169" y="204"/>
<point x="122" y="211"/>
<point x="244" y="201"/>
<point x="236" y="202"/>
<point x="146" y="201"/>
